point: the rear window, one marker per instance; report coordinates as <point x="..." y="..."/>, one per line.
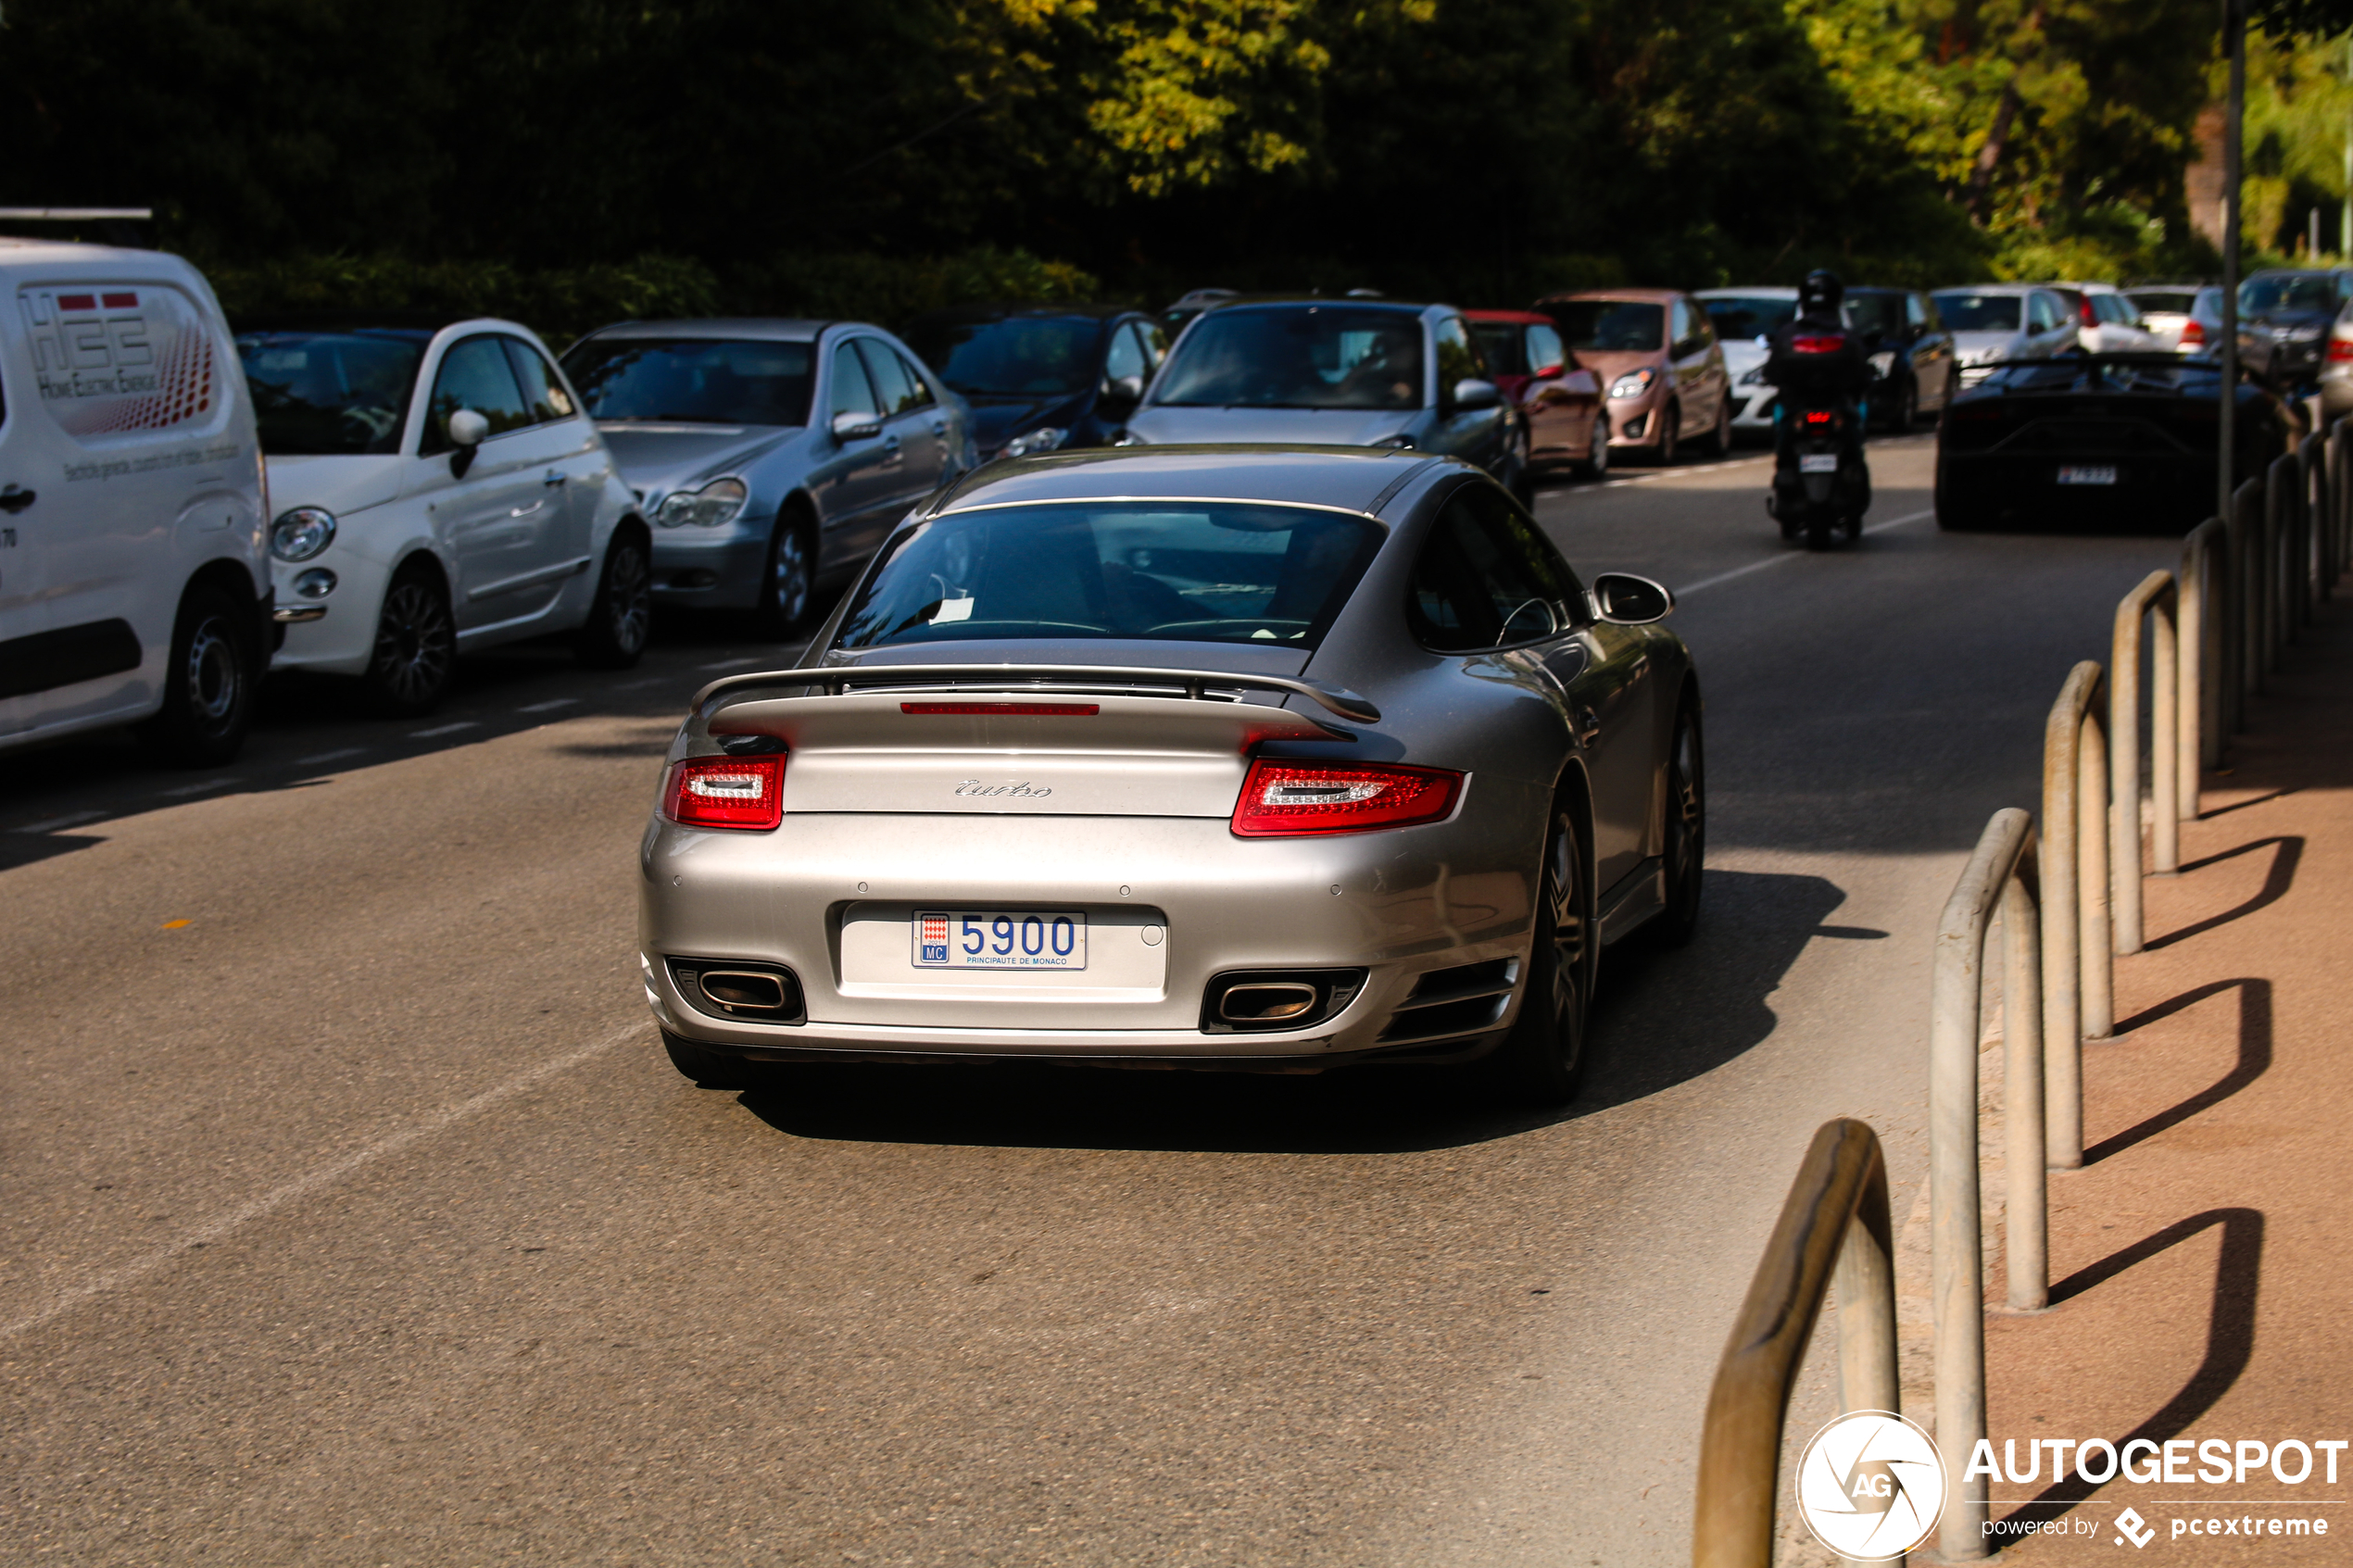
<point x="1020" y="356"/>
<point x="1966" y="312"/>
<point x="2162" y="299"/>
<point x="2290" y="292"/>
<point x="1297" y="356"/>
<point x="1504" y="344"/>
<point x="694" y="380"/>
<point x="1748" y="316"/>
<point x="339" y="394"/>
<point x="1629" y="326"/>
<point x="1876" y="313"/>
<point x="1193" y="571"/>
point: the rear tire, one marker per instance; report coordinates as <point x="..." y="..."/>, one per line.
<point x="210" y="684"/>
<point x="416" y="653"/>
<point x="1541" y="1062"/>
<point x="788" y="585"/>
<point x="1686" y="825"/>
<point x="707" y="1067"/>
<point x="620" y="619"/>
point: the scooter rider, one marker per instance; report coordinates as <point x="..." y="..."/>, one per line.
<point x="1819" y="367"/>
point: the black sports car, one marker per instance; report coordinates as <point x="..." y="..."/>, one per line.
<point x="2099" y="440"/>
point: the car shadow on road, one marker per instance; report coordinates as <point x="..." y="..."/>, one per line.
<point x="1661" y="1018"/>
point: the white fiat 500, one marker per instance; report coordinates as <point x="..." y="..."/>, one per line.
<point x="437" y="492"/>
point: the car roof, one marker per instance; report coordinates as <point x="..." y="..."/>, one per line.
<point x="1527" y="317"/>
<point x="1878" y="288"/>
<point x="1353" y="302"/>
<point x="775" y="329"/>
<point x="1990" y="288"/>
<point x="1761" y="291"/>
<point x="1641" y="296"/>
<point x="1349" y="477"/>
<point x="1006" y="312"/>
<point x="419" y="324"/>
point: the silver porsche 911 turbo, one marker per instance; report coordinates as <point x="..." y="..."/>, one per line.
<point x="1260" y="759"/>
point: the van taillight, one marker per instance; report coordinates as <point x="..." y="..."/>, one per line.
<point x="725" y="792"/>
<point x="1306" y="800"/>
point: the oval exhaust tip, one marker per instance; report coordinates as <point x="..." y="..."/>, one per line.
<point x="746" y="989"/>
<point x="1265" y="1002"/>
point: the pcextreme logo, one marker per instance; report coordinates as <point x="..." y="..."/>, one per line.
<point x="1869" y="1485"/>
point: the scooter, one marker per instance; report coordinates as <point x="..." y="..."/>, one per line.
<point x="1822" y="483"/>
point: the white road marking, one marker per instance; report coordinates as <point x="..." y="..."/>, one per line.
<point x="441" y="729"/>
<point x="1775" y="560"/>
<point x="178" y="790"/>
<point x="311" y="1181"/>
<point x="735" y="663"/>
<point x="549" y="705"/>
<point x="54" y="824"/>
<point x="329" y="757"/>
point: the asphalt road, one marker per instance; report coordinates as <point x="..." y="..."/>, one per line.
<point x="353" y="1216"/>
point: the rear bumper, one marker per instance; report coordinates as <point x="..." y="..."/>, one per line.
<point x="2154" y="491"/>
<point x="1409" y="901"/>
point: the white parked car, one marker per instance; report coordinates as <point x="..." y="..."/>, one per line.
<point x="438" y="492"/>
<point x="2108" y="322"/>
<point x="132" y="585"/>
<point x="2166" y="312"/>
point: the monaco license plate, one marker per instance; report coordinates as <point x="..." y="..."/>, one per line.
<point x="998" y="939"/>
<point x="1817" y="462"/>
<point x="2087" y="473"/>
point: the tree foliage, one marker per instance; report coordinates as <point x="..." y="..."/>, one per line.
<point x="1475" y="148"/>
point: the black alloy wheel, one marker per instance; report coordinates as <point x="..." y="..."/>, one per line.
<point x="416" y="654"/>
<point x="621" y="620"/>
<point x="1541" y="1062"/>
<point x="790" y="582"/>
<point x="1686" y="828"/>
<point x="707" y="1067"/>
<point x="210" y="684"/>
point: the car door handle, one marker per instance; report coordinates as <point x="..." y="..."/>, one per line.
<point x="556" y="477"/>
<point x="1588" y="726"/>
<point x="13" y="500"/>
<point x="526" y="511"/>
<point x="940" y="427"/>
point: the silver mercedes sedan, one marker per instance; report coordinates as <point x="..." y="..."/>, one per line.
<point x="1243" y="757"/>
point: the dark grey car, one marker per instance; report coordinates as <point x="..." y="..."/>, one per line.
<point x="771" y="455"/>
<point x="2284" y="315"/>
<point x="1335" y="373"/>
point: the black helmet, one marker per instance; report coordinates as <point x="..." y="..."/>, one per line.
<point x="1820" y="293"/>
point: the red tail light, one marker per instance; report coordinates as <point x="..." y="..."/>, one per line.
<point x="2193" y="335"/>
<point x="2083" y="306"/>
<point x="726" y="792"/>
<point x="2340" y="350"/>
<point x="1818" y="343"/>
<point x="1308" y="800"/>
<point x="1820" y="417"/>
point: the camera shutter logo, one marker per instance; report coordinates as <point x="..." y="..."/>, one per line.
<point x="1870" y="1486"/>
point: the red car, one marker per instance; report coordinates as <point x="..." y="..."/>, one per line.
<point x="1559" y="402"/>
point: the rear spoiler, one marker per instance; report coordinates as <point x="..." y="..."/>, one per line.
<point x="1201" y="686"/>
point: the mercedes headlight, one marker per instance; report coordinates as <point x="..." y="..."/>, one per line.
<point x="1045" y="438"/>
<point x="714" y="506"/>
<point x="1883" y="363"/>
<point x="1633" y="383"/>
<point x="302" y="532"/>
<point x="1753" y="377"/>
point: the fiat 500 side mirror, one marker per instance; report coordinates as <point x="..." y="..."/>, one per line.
<point x="468" y="429"/>
<point x="1624" y="599"/>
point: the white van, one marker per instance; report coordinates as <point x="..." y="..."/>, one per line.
<point x="135" y="588"/>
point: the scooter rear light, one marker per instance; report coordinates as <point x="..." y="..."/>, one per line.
<point x="1821" y="417"/>
<point x="1818" y="343"/>
<point x="726" y="792"/>
<point x="1309" y="799"/>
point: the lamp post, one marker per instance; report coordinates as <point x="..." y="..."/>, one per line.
<point x="2234" y="115"/>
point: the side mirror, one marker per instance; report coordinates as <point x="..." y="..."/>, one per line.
<point x="856" y="426"/>
<point x="1124" y="391"/>
<point x="1471" y="393"/>
<point x="1624" y="599"/>
<point x="468" y="429"/>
